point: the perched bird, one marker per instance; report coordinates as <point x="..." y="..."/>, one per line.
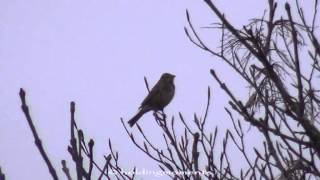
<point x="159" y="97"/>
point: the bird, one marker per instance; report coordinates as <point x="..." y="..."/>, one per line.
<point x="159" y="97"/>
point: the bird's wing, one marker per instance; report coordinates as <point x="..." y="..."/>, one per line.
<point x="155" y="90"/>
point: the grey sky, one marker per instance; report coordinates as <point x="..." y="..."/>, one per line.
<point x="96" y="53"/>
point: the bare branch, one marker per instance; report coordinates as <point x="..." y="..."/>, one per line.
<point x="37" y="141"/>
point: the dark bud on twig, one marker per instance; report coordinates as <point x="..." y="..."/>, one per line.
<point x="22" y="94"/>
<point x="80" y="133"/>
<point x="72" y="106"/>
<point x="63" y="162"/>
<point x="65" y="169"/>
<point x="187" y="14"/>
<point x="91" y="143"/>
<point x="196" y="135"/>
<point x="168" y="166"/>
<point x="70" y="150"/>
<point x="287" y="6"/>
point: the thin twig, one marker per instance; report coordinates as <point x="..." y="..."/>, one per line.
<point x="38" y="142"/>
<point x="65" y="169"/>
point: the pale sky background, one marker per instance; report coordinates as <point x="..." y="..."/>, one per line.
<point x="96" y="53"/>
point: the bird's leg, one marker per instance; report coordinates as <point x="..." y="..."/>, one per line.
<point x="164" y="116"/>
<point x="155" y="114"/>
<point x="160" y="116"/>
<point x="157" y="118"/>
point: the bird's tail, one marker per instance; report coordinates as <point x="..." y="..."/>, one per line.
<point x="135" y="118"/>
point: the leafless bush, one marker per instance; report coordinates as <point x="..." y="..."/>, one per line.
<point x="283" y="104"/>
<point x="78" y="149"/>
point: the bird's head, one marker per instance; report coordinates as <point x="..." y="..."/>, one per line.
<point x="167" y="77"/>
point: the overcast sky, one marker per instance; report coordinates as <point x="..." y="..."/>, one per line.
<point x="96" y="53"/>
